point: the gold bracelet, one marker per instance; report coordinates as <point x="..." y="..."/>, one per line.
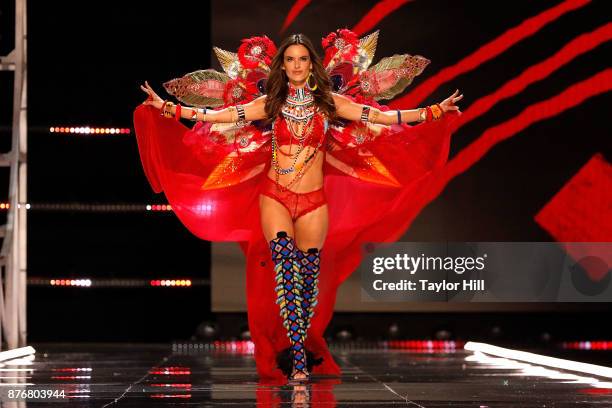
<point x="233" y="114"/>
<point x="422" y="114"/>
<point x="194" y="114"/>
<point x="437" y="111"/>
<point x="374" y="116"/>
<point x="167" y="111"/>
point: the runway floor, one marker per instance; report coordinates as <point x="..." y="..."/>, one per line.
<point x="122" y="375"/>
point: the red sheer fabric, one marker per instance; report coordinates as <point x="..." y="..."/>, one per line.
<point x="212" y="177"/>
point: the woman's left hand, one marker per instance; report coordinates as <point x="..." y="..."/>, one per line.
<point x="449" y="103"/>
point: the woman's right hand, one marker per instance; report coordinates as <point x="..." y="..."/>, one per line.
<point x="153" y="99"/>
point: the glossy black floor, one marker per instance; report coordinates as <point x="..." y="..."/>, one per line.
<point x="155" y="376"/>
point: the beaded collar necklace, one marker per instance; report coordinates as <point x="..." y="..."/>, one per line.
<point x="299" y="105"/>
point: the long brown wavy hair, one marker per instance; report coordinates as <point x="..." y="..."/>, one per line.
<point x="277" y="88"/>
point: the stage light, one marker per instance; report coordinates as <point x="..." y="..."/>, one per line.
<point x="184" y="396"/>
<point x="442" y="334"/>
<point x="171" y="385"/>
<point x="539" y="359"/>
<point x="71" y="369"/>
<point x="393" y="330"/>
<point x="243" y="347"/>
<point x="496" y="331"/>
<point x="207" y="330"/>
<point x="344" y="335"/>
<point x="88" y="130"/>
<point x="171" y="282"/>
<point x="587" y="345"/>
<point x="159" y="207"/>
<point x="171" y="371"/>
<point x="71" y="377"/>
<point x="115" y="282"/>
<point x="86" y="207"/>
<point x="70" y="282"/>
<point x="245" y="333"/>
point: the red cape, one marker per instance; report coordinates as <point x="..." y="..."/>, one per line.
<point x="210" y="176"/>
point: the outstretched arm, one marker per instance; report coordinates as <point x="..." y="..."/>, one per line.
<point x="347" y="109"/>
<point x="254" y="110"/>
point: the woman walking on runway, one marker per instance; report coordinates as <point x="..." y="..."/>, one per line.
<point x="299" y="161"/>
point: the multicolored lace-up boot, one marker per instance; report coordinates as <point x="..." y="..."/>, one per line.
<point x="288" y="297"/>
<point x="309" y="267"/>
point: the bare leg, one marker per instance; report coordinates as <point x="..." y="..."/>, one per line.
<point x="311" y="228"/>
<point x="274" y="218"/>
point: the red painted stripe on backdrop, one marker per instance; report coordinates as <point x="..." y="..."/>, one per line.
<point x="542" y="70"/>
<point x="487" y="52"/>
<point x="295" y="11"/>
<point x="380" y="10"/>
<point x="573" y="96"/>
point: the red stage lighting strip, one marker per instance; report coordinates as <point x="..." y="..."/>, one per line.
<point x="297" y="8"/>
<point x="94" y="207"/>
<point x="70" y="370"/>
<point x="171" y="282"/>
<point x="587" y="345"/>
<point x="421" y="345"/>
<point x="70" y="282"/>
<point x="184" y="396"/>
<point x="247" y="347"/>
<point x="542" y="70"/>
<point x="380" y="10"/>
<point x="171" y="371"/>
<point x="117" y="282"/>
<point x="71" y="377"/>
<point x="171" y="385"/>
<point x="158" y="207"/>
<point x="87" y="130"/>
<point x="487" y="52"/>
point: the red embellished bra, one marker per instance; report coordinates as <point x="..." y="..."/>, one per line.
<point x="313" y="133"/>
<point x="300" y="108"/>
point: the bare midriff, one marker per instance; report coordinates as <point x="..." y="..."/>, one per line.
<point x="311" y="180"/>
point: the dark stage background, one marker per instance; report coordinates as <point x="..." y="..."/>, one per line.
<point x="86" y="61"/>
